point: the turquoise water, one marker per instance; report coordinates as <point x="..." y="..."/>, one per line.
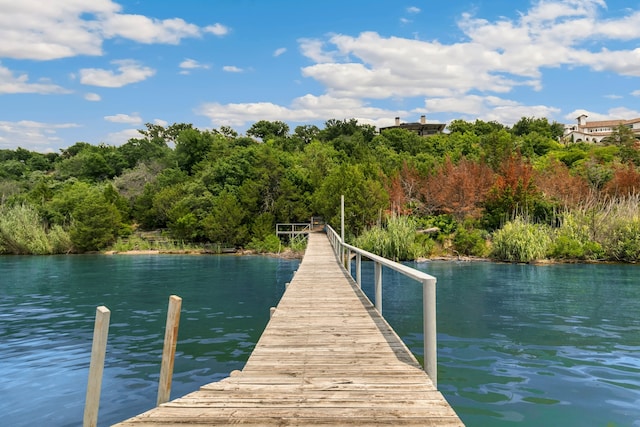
<point x="519" y="345"/>
<point x="522" y="345"/>
<point x="47" y="311"/>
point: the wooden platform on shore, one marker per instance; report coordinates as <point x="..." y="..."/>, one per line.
<point x="325" y="358"/>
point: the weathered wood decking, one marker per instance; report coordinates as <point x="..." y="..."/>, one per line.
<point x="325" y="358"/>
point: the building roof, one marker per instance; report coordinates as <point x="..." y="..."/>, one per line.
<point x="610" y="123"/>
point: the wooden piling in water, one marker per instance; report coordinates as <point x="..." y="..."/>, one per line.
<point x="96" y="366"/>
<point x="169" y="349"/>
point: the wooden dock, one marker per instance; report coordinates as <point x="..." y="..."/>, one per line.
<point x="325" y="358"/>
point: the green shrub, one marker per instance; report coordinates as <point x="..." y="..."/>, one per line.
<point x="270" y="244"/>
<point x="520" y="241"/>
<point x="626" y="238"/>
<point x="471" y="241"/>
<point x="298" y="243"/>
<point x="60" y="240"/>
<point x="572" y="240"/>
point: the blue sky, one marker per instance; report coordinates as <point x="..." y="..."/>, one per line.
<point x="97" y="70"/>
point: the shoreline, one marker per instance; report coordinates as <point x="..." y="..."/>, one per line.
<point x="288" y="254"/>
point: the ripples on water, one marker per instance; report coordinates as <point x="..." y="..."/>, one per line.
<point x="47" y="311"/>
<point x="531" y="345"/>
<point x="517" y="345"/>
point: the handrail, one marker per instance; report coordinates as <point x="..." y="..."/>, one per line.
<point x="343" y="251"/>
<point x="288" y="228"/>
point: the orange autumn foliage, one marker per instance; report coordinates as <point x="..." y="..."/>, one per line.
<point x="557" y="183"/>
<point x="403" y="189"/>
<point x="625" y="182"/>
<point x="458" y="189"/>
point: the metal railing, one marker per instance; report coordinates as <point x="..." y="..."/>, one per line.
<point x="292" y="229"/>
<point x="344" y="251"/>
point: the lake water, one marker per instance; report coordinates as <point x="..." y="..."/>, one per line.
<point x="518" y="345"/>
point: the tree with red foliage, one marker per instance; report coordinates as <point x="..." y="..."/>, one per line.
<point x="625" y="181"/>
<point x="515" y="193"/>
<point x="403" y="189"/>
<point x="458" y="189"/>
<point x="557" y="183"/>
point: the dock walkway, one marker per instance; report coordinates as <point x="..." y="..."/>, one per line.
<point x="325" y="358"/>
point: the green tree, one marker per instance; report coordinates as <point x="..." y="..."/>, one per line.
<point x="496" y="147"/>
<point x="541" y="126"/>
<point x="624" y="138"/>
<point x="265" y="130"/>
<point x="225" y="222"/>
<point x="306" y="133"/>
<point x="166" y="135"/>
<point x="364" y="198"/>
<point x="142" y="150"/>
<point x="192" y="146"/>
<point x="93" y="220"/>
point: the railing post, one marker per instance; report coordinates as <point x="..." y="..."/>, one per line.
<point x="348" y="261"/>
<point x="359" y="269"/>
<point x="378" y="287"/>
<point x="96" y="366"/>
<point x="169" y="350"/>
<point x="429" y="329"/>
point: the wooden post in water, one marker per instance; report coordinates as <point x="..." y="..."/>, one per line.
<point x="96" y="366"/>
<point x="169" y="350"/>
<point x="429" y="329"/>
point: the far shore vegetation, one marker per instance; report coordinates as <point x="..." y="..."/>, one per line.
<point x="515" y="194"/>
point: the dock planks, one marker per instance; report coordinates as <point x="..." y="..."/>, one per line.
<point x="326" y="358"/>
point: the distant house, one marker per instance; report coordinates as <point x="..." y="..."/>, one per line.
<point x="422" y="128"/>
<point x="585" y="131"/>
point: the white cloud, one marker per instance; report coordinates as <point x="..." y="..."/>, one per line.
<point x="160" y="122"/>
<point x="9" y="83"/>
<point x="232" y="69"/>
<point x="413" y="9"/>
<point x="128" y="71"/>
<point x="612" y="96"/>
<point x="613" y="114"/>
<point x="94" y="97"/>
<point x="635" y="93"/>
<point x="279" y="51"/>
<point x="494" y="58"/>
<point x="191" y="64"/>
<point x="314" y="50"/>
<point x="471" y="77"/>
<point x="31" y="135"/>
<point x="134" y="119"/>
<point x="141" y="29"/>
<point x="121" y="137"/>
<point x="33" y="29"/>
<point x="217" y="29"/>
<point x="308" y="108"/>
<point x="488" y="108"/>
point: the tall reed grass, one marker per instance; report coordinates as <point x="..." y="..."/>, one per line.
<point x="396" y="240"/>
<point x="23" y="232"/>
<point x="521" y="241"/>
<point x="605" y="229"/>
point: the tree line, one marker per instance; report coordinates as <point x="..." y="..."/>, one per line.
<point x="217" y="186"/>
